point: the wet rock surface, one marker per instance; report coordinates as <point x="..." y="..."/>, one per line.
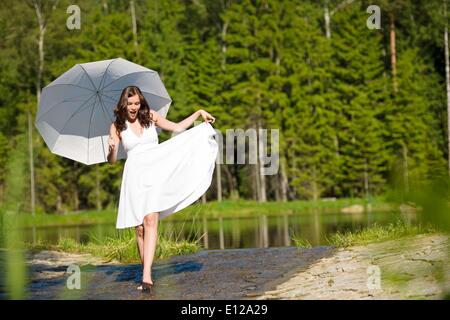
<point x="411" y="268"/>
<point x="208" y="274"/>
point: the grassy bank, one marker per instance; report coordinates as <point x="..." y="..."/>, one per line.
<point x="213" y="209"/>
<point x="372" y="234"/>
<point x="121" y="248"/>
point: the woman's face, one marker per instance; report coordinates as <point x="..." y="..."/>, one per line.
<point x="133" y="106"/>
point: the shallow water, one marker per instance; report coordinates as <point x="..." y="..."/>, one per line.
<point x="207" y="274"/>
<point x="261" y="231"/>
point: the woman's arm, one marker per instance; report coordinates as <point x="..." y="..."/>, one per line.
<point x="168" y="125"/>
<point x="113" y="143"/>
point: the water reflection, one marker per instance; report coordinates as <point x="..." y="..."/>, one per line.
<point x="261" y="231"/>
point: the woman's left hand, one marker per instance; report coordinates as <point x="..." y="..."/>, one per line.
<point x="206" y="116"/>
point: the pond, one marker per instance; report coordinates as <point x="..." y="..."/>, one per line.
<point x="261" y="231"/>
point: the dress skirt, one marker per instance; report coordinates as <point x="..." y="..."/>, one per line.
<point x="166" y="177"/>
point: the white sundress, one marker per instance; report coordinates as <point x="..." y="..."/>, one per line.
<point x="165" y="177"/>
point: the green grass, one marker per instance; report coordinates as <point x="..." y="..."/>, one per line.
<point x="121" y="248"/>
<point x="80" y="218"/>
<point x="374" y="233"/>
<point x="213" y="209"/>
<point x="301" y="243"/>
<point x="377" y="233"/>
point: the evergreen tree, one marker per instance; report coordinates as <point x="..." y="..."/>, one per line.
<point x="359" y="103"/>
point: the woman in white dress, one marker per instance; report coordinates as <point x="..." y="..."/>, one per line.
<point x="158" y="179"/>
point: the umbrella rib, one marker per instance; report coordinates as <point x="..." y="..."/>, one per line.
<point x="153" y="94"/>
<point x="89" y="77"/>
<point x="125" y="76"/>
<point x="76" y="112"/>
<point x="68" y="84"/>
<point x="61" y="131"/>
<point x="89" y="129"/>
<point x="102" y="105"/>
<point x="106" y="70"/>
<point x="114" y="100"/>
<point x="156" y="95"/>
<point x="58" y="103"/>
<point x="103" y="145"/>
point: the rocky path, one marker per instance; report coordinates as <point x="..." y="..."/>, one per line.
<point x="413" y="268"/>
<point x="208" y="274"/>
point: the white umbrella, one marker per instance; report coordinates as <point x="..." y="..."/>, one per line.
<point x="76" y="110"/>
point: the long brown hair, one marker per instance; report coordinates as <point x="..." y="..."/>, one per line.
<point x="120" y="111"/>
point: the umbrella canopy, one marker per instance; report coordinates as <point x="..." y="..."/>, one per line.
<point x="76" y="110"/>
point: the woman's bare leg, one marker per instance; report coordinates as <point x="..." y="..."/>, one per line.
<point x="140" y="241"/>
<point x="150" y="238"/>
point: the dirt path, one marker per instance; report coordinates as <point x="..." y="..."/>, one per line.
<point x="408" y="269"/>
